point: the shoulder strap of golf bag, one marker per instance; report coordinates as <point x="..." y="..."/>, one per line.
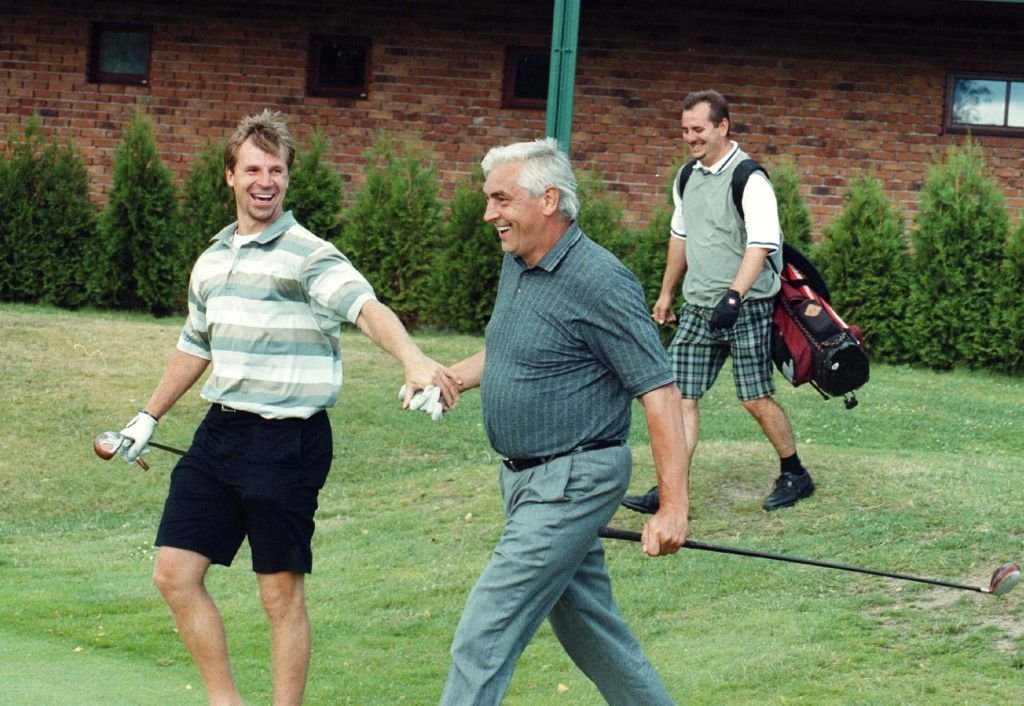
<point x="740" y="175"/>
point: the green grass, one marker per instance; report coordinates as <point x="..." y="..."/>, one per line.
<point x="921" y="478"/>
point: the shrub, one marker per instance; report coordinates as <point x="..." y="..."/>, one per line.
<point x="1010" y="304"/>
<point x="962" y="226"/>
<point x="315" y="190"/>
<point x="648" y="254"/>
<point x="464" y="278"/>
<point x="794" y="216"/>
<point x="138" y="259"/>
<point x="393" y="229"/>
<point x="209" y="203"/>
<point x="600" y="216"/>
<point x="48" y="220"/>
<point x="864" y="259"/>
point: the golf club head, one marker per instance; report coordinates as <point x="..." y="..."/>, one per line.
<point x="1004" y="579"/>
<point x="107" y="444"/>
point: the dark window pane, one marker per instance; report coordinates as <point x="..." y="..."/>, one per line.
<point x="532" y="72"/>
<point x="124" y="52"/>
<point x="341" y="66"/>
<point x="338" y="66"/>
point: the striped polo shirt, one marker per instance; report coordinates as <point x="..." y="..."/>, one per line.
<point x="268" y="313"/>
<point x="568" y="347"/>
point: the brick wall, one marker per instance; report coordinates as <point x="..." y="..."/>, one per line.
<point x="838" y="94"/>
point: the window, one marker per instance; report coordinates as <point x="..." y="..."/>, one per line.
<point x="526" y="78"/>
<point x="338" y="66"/>
<point x="985" y="105"/>
<point x="119" y="53"/>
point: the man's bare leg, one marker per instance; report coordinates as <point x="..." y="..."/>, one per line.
<point x="284" y="600"/>
<point x="774" y="423"/>
<point x="794" y="482"/>
<point x="179" y="575"/>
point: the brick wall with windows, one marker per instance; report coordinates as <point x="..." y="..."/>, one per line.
<point x="837" y="91"/>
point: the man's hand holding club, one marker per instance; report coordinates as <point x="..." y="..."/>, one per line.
<point x="136" y="434"/>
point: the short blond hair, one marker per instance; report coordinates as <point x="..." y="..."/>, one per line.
<point x="268" y="131"/>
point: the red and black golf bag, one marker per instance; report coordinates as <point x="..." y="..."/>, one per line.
<point x="810" y="342"/>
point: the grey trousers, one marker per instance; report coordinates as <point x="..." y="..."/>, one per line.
<point x="549" y="563"/>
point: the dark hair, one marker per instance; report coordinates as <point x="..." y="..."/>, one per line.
<point x="268" y="131"/>
<point x="715" y="100"/>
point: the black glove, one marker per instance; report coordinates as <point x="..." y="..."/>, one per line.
<point x="725" y="313"/>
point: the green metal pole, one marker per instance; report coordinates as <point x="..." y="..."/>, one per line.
<point x="562" y="79"/>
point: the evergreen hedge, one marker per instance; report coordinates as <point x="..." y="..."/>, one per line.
<point x="962" y="226"/>
<point x="315" y="191"/>
<point x="864" y="259"/>
<point x="464" y="277"/>
<point x="48" y="220"/>
<point x="956" y="301"/>
<point x="794" y="216"/>
<point x="393" y="229"/>
<point x="137" y="260"/>
<point x="209" y="203"/>
<point x="1010" y="305"/>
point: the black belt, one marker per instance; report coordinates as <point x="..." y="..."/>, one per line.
<point x="229" y="410"/>
<point x="521" y="464"/>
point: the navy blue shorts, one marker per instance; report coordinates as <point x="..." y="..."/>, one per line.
<point x="246" y="476"/>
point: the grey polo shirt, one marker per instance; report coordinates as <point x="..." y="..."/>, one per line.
<point x="569" y="345"/>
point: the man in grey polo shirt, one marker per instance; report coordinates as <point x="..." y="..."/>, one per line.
<point x="568" y="347"/>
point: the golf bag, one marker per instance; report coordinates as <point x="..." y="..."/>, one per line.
<point x="810" y="342"/>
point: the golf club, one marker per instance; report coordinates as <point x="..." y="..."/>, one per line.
<point x="107" y="444"/>
<point x="1003" y="580"/>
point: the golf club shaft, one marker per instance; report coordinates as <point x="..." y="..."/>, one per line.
<point x="612" y="533"/>
<point x="162" y="447"/>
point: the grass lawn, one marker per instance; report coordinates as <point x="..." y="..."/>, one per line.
<point x="922" y="478"/>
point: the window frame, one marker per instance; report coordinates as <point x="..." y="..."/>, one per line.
<point x="313" y="86"/>
<point x="508" y="97"/>
<point x="97" y="75"/>
<point x="964" y="128"/>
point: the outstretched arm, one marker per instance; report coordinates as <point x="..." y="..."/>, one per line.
<point x="383" y="327"/>
<point x="469" y="371"/>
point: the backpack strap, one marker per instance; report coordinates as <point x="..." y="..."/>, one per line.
<point x="740" y="175"/>
<point x="684" y="176"/>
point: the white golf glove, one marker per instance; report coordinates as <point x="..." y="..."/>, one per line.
<point x="428" y="400"/>
<point x="137" y="434"/>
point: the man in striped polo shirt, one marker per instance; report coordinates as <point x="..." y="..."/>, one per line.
<point x="266" y="302"/>
<point x="568" y="347"/>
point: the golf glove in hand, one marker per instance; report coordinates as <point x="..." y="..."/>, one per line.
<point x="726" y="312"/>
<point x="137" y="434"/>
<point x="428" y="400"/>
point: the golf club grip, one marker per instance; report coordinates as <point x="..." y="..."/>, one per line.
<point x="613" y="533"/>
